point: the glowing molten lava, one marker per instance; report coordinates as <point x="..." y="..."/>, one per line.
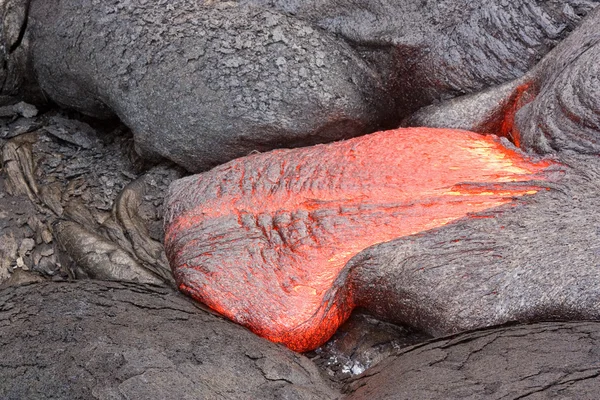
<point x="523" y="94"/>
<point x="262" y="239"/>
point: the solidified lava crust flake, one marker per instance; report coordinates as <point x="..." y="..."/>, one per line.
<point x="263" y="239"/>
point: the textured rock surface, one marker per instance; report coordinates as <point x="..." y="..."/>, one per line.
<point x="73" y="202"/>
<point x="553" y="107"/>
<point x="433" y="50"/>
<point x="204" y="82"/>
<point x="90" y="217"/>
<point x="541" y="361"/>
<point x="263" y="239"/>
<point x="124" y="341"/>
<point x="534" y="261"/>
<point x="564" y="110"/>
<point x="548" y="250"/>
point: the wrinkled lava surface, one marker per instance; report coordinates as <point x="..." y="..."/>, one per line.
<point x="264" y="239"/>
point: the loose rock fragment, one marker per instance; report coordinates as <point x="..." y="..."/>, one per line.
<point x="73" y="131"/>
<point x="50" y="195"/>
<point x="126" y="212"/>
<point x="8" y="255"/>
<point x="21" y="277"/>
<point x="26" y="246"/>
<point x="17" y="161"/>
<point x="20" y="108"/>
<point x="19" y="127"/>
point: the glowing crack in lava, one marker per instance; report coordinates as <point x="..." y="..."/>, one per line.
<point x="263" y="239"/>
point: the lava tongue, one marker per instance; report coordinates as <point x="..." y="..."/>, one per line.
<point x="263" y="239"/>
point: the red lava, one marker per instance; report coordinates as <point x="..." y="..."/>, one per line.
<point x="523" y="94"/>
<point x="263" y="239"/>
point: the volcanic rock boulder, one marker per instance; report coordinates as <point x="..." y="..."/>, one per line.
<point x="108" y="340"/>
<point x="201" y="83"/>
<point x="533" y="261"/>
<point x="554" y="107"/>
<point x="564" y="110"/>
<point x="540" y="361"/>
<point x="434" y="50"/>
<point x="264" y="239"/>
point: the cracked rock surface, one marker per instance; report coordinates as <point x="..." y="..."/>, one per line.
<point x="552" y="360"/>
<point x="109" y="340"/>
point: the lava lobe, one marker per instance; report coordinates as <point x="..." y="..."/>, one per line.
<point x="264" y="239"/>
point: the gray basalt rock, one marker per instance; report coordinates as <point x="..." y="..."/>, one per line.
<point x="531" y="262"/>
<point x="552" y="108"/>
<point x="201" y="83"/>
<point x="435" y="50"/>
<point x="108" y="340"/>
<point x="564" y="113"/>
<point x="540" y="361"/>
<point x="534" y="260"/>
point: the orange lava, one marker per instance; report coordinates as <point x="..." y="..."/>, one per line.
<point x="268" y="235"/>
<point x="523" y="95"/>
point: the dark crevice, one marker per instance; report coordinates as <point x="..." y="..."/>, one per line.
<point x="19" y="40"/>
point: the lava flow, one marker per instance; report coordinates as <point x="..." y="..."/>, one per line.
<point x="263" y="239"/>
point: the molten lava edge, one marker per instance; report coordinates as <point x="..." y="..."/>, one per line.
<point x="263" y="239"/>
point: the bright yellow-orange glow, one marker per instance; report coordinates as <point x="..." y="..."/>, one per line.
<point x="271" y="232"/>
